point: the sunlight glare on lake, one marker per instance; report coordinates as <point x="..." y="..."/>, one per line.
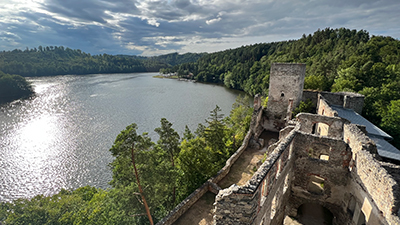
<point x="38" y="134"/>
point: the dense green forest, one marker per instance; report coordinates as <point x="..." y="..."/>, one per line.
<point x="337" y="60"/>
<point x="54" y="60"/>
<point x="168" y="170"/>
<point x="13" y="87"/>
<point x="176" y="59"/>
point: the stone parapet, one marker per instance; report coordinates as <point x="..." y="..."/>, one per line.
<point x="379" y="184"/>
<point x="185" y="205"/>
<point x="334" y="124"/>
<point x="348" y="100"/>
<point x="242" y="204"/>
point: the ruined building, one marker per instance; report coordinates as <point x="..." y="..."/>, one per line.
<point x="332" y="159"/>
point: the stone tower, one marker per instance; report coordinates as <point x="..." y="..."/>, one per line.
<point x="285" y="93"/>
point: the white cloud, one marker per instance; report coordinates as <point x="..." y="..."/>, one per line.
<point x="152" y="27"/>
<point x="153" y="22"/>
<point x="209" y="22"/>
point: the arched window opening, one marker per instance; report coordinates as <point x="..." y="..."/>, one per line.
<point x="314" y="128"/>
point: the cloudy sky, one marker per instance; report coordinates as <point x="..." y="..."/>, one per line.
<point x="154" y="27"/>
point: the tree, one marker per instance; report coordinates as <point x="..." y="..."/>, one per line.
<point x="346" y="81"/>
<point x="187" y="135"/>
<point x="239" y="120"/>
<point x="304" y="106"/>
<point x="215" y="134"/>
<point x="196" y="162"/>
<point x="391" y="121"/>
<point x="157" y="174"/>
<point x="168" y="147"/>
<point x="140" y="186"/>
<point x="168" y="141"/>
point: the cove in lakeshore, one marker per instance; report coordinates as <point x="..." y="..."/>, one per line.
<point x="61" y="138"/>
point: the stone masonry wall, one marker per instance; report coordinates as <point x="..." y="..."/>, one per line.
<point x="257" y="116"/>
<point x="182" y="207"/>
<point x="286" y="87"/>
<point x="317" y="179"/>
<point x="324" y="108"/>
<point x="345" y="99"/>
<point x="377" y="182"/>
<point x="262" y="197"/>
<point x="334" y="124"/>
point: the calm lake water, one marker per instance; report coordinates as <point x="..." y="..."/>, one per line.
<point x="60" y="139"/>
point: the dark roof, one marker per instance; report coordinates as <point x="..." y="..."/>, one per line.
<point x="385" y="149"/>
<point x="356" y="118"/>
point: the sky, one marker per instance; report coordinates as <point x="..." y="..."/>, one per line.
<point x="155" y="27"/>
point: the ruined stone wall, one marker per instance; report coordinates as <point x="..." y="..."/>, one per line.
<point x="345" y="99"/>
<point x="182" y="207"/>
<point x="257" y="117"/>
<point x="263" y="197"/>
<point x="353" y="101"/>
<point x="286" y="89"/>
<point x="332" y="126"/>
<point x="375" y="190"/>
<point x="320" y="179"/>
<point x="324" y="109"/>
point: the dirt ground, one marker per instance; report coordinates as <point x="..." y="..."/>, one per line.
<point x="244" y="168"/>
<point x="200" y="213"/>
<point x="247" y="164"/>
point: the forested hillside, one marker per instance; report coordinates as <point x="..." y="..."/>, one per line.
<point x="53" y="60"/>
<point x="176" y="59"/>
<point x="337" y="60"/>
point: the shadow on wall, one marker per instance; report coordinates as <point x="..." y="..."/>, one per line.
<point x="313" y="213"/>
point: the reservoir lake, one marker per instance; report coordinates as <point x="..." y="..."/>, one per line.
<point x="61" y="137"/>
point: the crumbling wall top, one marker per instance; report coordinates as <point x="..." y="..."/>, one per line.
<point x="380" y="184"/>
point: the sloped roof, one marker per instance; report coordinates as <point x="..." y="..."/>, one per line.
<point x="385" y="149"/>
<point x="356" y="118"/>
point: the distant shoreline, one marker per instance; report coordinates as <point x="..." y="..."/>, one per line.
<point x="167" y="77"/>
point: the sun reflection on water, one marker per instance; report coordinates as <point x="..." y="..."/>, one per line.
<point x="33" y="148"/>
<point x="38" y="134"/>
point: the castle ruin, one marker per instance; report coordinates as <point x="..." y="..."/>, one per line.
<point x="331" y="159"/>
